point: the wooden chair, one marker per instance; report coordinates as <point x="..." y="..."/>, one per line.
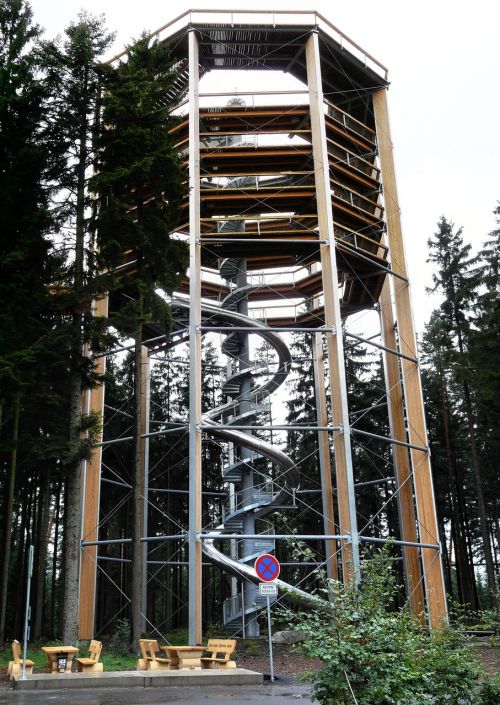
<point x="91" y="663"/>
<point x="15" y="666"/>
<point x="142" y="663"/>
<point x="220" y="652"/>
<point x="150" y="660"/>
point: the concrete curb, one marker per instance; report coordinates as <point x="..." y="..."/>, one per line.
<point x="140" y="679"/>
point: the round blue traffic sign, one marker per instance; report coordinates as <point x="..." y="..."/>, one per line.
<point x="267" y="567"/>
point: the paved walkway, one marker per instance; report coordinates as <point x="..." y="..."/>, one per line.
<point x="267" y="694"/>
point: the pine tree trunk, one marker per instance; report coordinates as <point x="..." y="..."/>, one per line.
<point x="42" y="541"/>
<point x="53" y="617"/>
<point x="446" y="555"/>
<point x="476" y="471"/>
<point x="20" y="565"/>
<point x="72" y="521"/>
<point x="8" y="516"/>
<point x="71" y="564"/>
<point x="483" y="518"/>
<point x="465" y="580"/>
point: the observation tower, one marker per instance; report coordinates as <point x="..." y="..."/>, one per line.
<point x="294" y="229"/>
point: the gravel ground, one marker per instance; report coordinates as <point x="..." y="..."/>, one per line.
<point x="254" y="655"/>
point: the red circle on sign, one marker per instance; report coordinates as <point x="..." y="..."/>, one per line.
<point x="267" y="567"/>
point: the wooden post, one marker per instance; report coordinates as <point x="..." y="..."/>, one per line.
<point x="335" y="345"/>
<point x="195" y="562"/>
<point x="324" y="458"/>
<point x="145" y="411"/>
<point x="91" y="485"/>
<point x="400" y="454"/>
<point x="417" y="434"/>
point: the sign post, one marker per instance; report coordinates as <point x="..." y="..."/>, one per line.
<point x="27" y="615"/>
<point x="267" y="568"/>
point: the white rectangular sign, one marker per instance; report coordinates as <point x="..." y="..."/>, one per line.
<point x="267" y="589"/>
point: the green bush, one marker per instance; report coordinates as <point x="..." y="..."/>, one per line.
<point x="374" y="655"/>
<point x="120" y="640"/>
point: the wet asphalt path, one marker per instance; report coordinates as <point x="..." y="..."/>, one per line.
<point x="267" y="694"/>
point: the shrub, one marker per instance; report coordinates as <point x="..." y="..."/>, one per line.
<point x="374" y="655"/>
<point x="120" y="640"/>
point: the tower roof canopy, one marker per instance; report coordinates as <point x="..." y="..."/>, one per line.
<point x="274" y="40"/>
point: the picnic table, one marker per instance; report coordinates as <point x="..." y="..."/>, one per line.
<point x="55" y="655"/>
<point x="184" y="657"/>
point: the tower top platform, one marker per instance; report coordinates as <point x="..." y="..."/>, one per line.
<point x="274" y="40"/>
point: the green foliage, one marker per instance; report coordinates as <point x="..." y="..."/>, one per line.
<point x="139" y="183"/>
<point x="489" y="620"/>
<point x="490" y="691"/>
<point x="118" y="660"/>
<point x="81" y="449"/>
<point x="375" y="656"/>
<point x="253" y="647"/>
<point x="26" y="259"/>
<point x="121" y="637"/>
<point x="462" y="345"/>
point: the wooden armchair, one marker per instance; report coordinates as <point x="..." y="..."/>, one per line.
<point x="91" y="663"/>
<point x="220" y="653"/>
<point x="15" y="666"/>
<point x="150" y="659"/>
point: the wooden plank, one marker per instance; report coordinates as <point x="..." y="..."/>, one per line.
<point x="417" y="433"/>
<point x="324" y="458"/>
<point x="400" y="454"/>
<point x="145" y="412"/>
<point x="93" y="401"/>
<point x="335" y="347"/>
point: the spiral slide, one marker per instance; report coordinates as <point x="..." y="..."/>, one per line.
<point x="216" y="423"/>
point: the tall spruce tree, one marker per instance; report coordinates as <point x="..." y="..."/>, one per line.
<point x="73" y="64"/>
<point x="27" y="261"/>
<point x="139" y="186"/>
<point x="484" y="355"/>
<point x="457" y="278"/>
<point x="448" y="443"/>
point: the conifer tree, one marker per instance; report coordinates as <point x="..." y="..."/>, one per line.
<point x="447" y="439"/>
<point x="139" y="185"/>
<point x="27" y="261"/>
<point x="73" y="66"/>
<point x="457" y="278"/>
<point x="484" y="354"/>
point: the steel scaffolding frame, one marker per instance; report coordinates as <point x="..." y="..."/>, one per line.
<point x="336" y="260"/>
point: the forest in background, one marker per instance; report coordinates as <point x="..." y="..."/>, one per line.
<point x="61" y="230"/>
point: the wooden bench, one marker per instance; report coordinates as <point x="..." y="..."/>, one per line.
<point x="91" y="664"/>
<point x="15" y="666"/>
<point x="220" y="653"/>
<point x="150" y="660"/>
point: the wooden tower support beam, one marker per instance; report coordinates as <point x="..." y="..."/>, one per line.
<point x="417" y="434"/>
<point x="335" y="345"/>
<point x="195" y="556"/>
<point x="324" y="458"/>
<point x="91" y="483"/>
<point x="400" y="454"/>
<point x="145" y="416"/>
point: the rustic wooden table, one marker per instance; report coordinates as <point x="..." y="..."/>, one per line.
<point x="53" y="652"/>
<point x="187" y="657"/>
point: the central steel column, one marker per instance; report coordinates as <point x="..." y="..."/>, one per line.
<point x="195" y="563"/>
<point x="247" y="484"/>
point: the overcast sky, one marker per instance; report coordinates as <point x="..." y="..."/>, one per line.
<point x="444" y="66"/>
